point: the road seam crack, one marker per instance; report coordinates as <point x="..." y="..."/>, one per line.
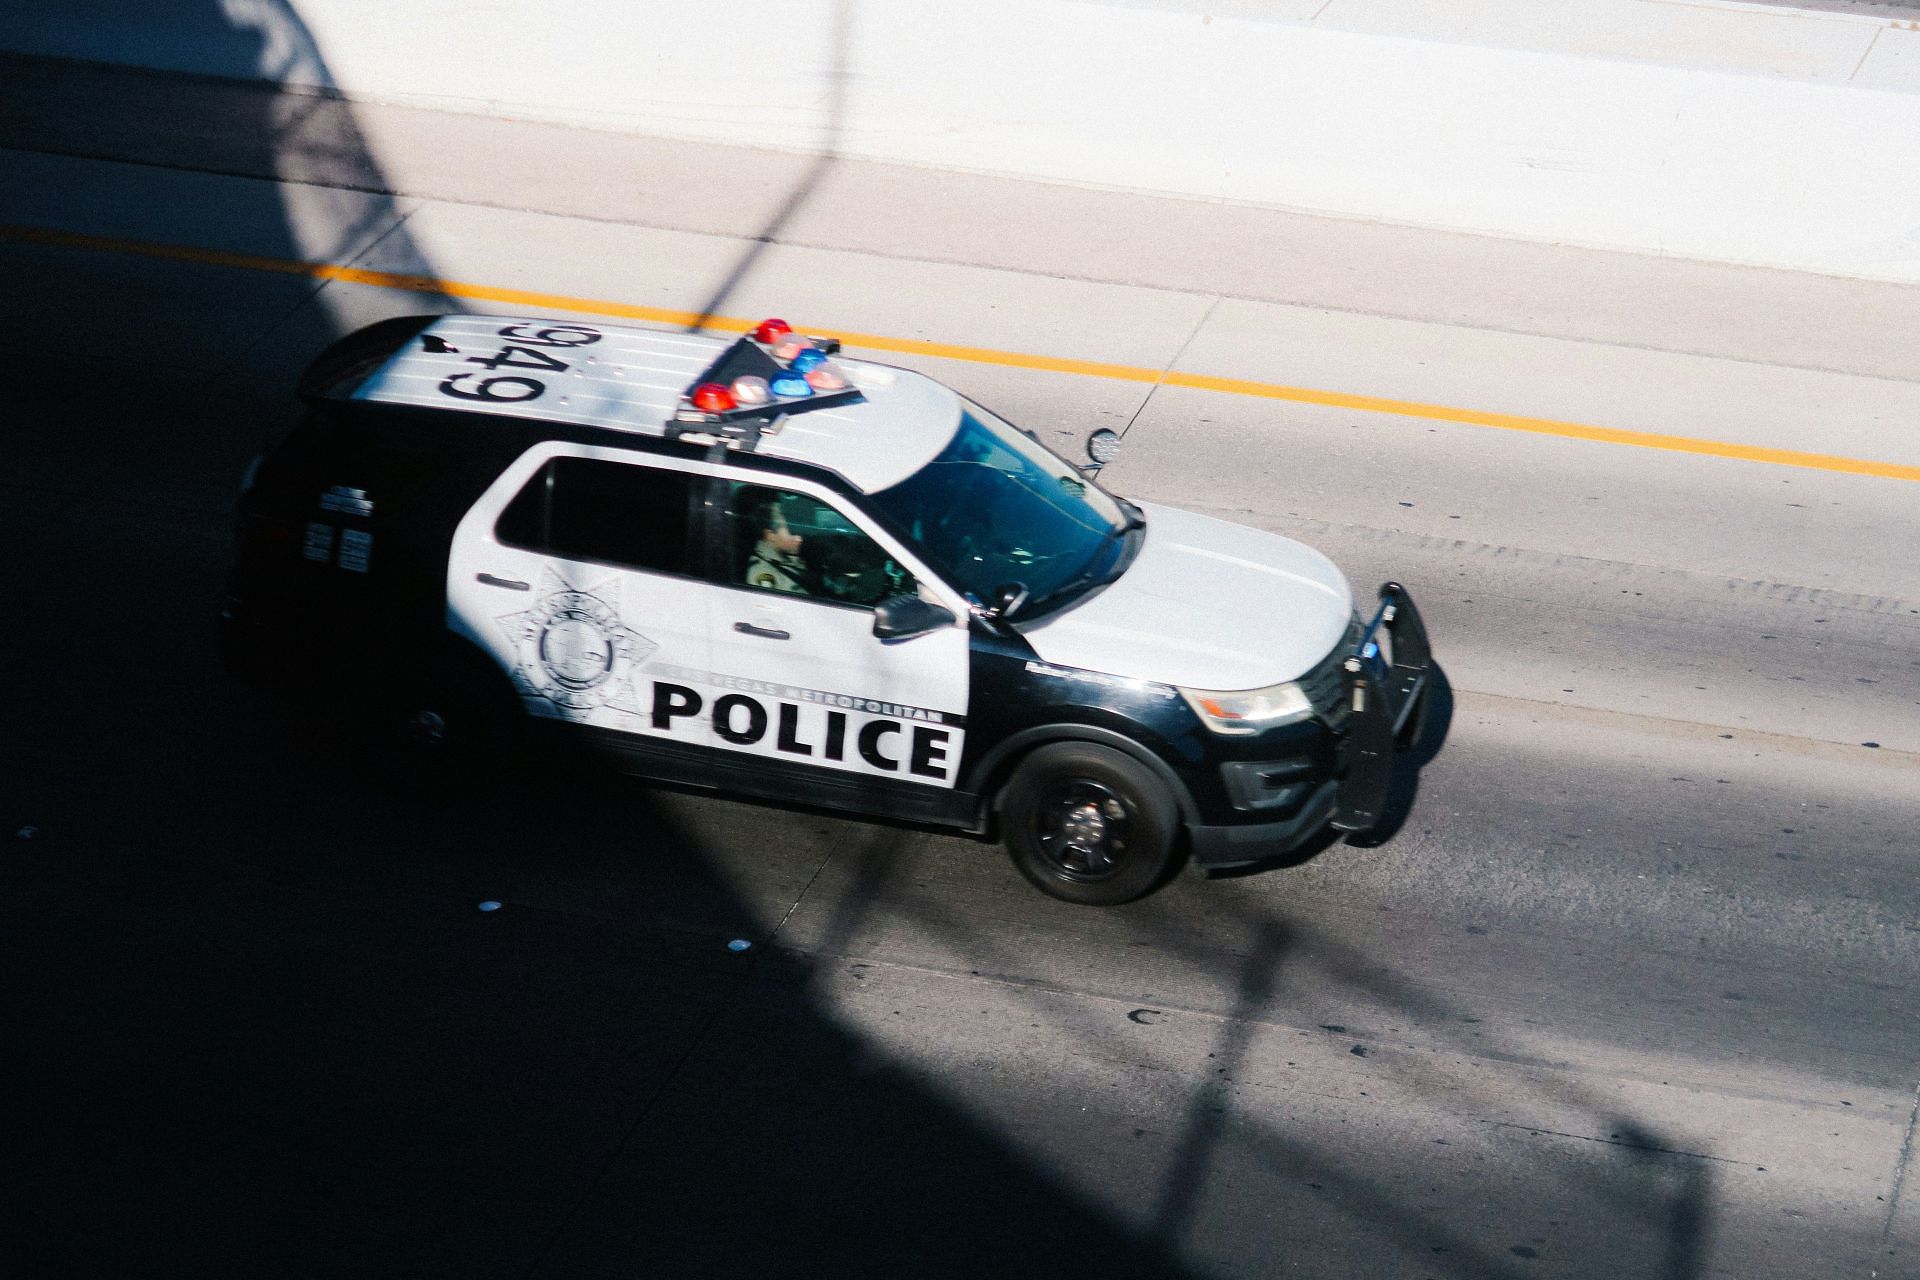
<point x="669" y="1078"/>
<point x="1616" y="1142"/>
<point x="1900" y="1166"/>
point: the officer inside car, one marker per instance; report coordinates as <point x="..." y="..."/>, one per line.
<point x="831" y="561"/>
<point x="775" y="564"/>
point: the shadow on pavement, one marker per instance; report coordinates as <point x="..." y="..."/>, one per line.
<point x="258" y="1024"/>
<point x="1619" y="1195"/>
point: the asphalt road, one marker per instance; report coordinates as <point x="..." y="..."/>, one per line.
<point x="1628" y="991"/>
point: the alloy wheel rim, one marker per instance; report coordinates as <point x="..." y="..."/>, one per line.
<point x="1084" y="830"/>
<point x="427" y="729"/>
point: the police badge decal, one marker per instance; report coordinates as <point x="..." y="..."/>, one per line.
<point x="573" y="651"/>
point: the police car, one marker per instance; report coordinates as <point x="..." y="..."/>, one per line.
<point x="755" y="567"/>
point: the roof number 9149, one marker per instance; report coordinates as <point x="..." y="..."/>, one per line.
<point x="520" y="352"/>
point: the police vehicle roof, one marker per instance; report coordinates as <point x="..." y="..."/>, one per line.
<point x="632" y="380"/>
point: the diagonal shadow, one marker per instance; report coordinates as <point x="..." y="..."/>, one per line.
<point x="1185" y="1177"/>
<point x="827" y="155"/>
<point x="1668" y="1195"/>
<point x="266" y="1032"/>
<point x="1669" y="1191"/>
<point x="247" y="1018"/>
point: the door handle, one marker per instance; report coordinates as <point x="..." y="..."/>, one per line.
<point x="510" y="584"/>
<point x="765" y="633"/>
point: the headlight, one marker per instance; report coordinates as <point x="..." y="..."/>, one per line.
<point x="1249" y="710"/>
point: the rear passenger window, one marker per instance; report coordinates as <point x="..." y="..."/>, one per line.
<point x="612" y="512"/>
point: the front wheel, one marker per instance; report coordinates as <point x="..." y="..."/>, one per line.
<point x="1090" y="825"/>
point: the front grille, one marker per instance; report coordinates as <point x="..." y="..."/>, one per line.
<point x="1326" y="683"/>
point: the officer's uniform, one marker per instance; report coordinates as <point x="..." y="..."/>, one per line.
<point x="773" y="570"/>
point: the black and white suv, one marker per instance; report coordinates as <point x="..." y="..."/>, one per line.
<point x="754" y="567"/>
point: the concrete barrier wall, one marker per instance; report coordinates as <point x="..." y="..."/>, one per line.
<point x="1252" y="103"/>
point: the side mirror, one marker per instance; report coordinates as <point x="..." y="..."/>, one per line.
<point x="904" y="617"/>
<point x="1102" y="447"/>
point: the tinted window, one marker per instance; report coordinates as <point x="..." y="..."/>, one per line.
<point x="613" y="512"/>
<point x="789" y="542"/>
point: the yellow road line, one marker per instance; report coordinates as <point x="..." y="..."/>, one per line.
<point x="979" y="355"/>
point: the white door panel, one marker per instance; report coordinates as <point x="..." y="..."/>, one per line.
<point x="581" y="641"/>
<point x="584" y="641"/>
<point x="805" y="681"/>
<point x="808" y="683"/>
<point x="659" y="655"/>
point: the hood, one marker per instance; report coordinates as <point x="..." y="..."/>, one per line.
<point x="1208" y="605"/>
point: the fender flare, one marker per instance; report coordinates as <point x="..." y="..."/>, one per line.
<point x="991" y="774"/>
<point x="463" y="667"/>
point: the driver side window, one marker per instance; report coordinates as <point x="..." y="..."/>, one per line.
<point x="795" y="544"/>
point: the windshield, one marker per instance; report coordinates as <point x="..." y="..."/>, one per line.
<point x="995" y="509"/>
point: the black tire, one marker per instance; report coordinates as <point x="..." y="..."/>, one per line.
<point x="237" y="657"/>
<point x="456" y="730"/>
<point x="1090" y="825"/>
<point x="241" y="649"/>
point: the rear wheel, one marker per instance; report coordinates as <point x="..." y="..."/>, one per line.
<point x="1088" y="824"/>
<point x="455" y="729"/>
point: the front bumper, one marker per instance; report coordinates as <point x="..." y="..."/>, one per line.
<point x="1242" y="844"/>
<point x="1388" y="675"/>
<point x="1388" y="672"/>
